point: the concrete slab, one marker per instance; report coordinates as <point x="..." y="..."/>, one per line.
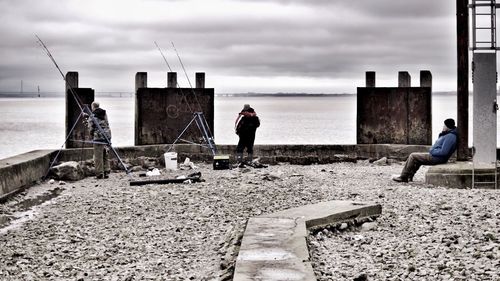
<point x="459" y="175"/>
<point x="329" y="212"/>
<point x="274" y="246"/>
<point x="274" y="270"/>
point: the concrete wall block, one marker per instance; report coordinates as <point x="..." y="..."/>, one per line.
<point x="419" y="115"/>
<point x="381" y="116"/>
<point x="425" y="78"/>
<point x="163" y="113"/>
<point x="200" y="80"/>
<point x="84" y="96"/>
<point x="370" y="79"/>
<point x="141" y="80"/>
<point x="172" y="79"/>
<point x="404" y="79"/>
<point x="394" y="116"/>
<point x="23" y="170"/>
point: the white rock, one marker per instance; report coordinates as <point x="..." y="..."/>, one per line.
<point x="367" y="226"/>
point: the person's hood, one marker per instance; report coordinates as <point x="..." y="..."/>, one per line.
<point x="100" y="113"/>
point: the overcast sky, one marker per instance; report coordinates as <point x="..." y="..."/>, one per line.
<point x="309" y="46"/>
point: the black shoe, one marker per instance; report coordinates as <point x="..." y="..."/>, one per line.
<point x="106" y="175"/>
<point x="100" y="176"/>
<point x="241" y="165"/>
<point x="400" y="179"/>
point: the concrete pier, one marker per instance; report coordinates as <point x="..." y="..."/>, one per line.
<point x="172" y="80"/>
<point x="395" y="115"/>
<point x="200" y="80"/>
<point x="78" y="134"/>
<point x="425" y="78"/>
<point x="141" y="80"/>
<point x="163" y="113"/>
<point x="404" y="79"/>
<point x="370" y="79"/>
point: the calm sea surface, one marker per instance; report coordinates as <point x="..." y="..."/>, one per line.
<point x="38" y="123"/>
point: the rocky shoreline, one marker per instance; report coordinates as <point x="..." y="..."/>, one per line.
<point x="109" y="230"/>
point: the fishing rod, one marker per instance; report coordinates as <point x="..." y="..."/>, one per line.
<point x="183" y="96"/>
<point x="198" y="117"/>
<point x="185" y="73"/>
<point x="192" y="90"/>
<point x="83" y="109"/>
<point x="164" y="58"/>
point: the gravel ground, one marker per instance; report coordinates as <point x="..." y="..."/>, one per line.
<point x="108" y="230"/>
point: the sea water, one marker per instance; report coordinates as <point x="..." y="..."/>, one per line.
<point x="38" y="123"/>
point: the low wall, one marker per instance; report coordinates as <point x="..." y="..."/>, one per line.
<point x="23" y="170"/>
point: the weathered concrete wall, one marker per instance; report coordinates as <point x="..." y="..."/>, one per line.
<point x="391" y="115"/>
<point x="22" y="170"/>
<point x="163" y="113"/>
<point x="272" y="154"/>
<point x="73" y="112"/>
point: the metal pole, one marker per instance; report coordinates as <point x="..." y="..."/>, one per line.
<point x="462" y="79"/>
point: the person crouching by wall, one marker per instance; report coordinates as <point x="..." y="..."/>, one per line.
<point x="439" y="153"/>
<point x="101" y="139"/>
<point x="246" y="125"/>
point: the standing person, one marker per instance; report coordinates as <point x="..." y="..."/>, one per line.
<point x="246" y="124"/>
<point x="100" y="140"/>
<point x="439" y="153"/>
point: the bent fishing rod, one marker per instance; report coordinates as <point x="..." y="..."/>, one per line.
<point x="83" y="109"/>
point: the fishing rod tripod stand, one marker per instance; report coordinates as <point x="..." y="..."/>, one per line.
<point x="85" y="111"/>
<point x="201" y="123"/>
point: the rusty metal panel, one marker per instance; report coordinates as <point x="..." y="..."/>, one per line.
<point x="381" y="116"/>
<point x="80" y="133"/>
<point x="394" y="115"/>
<point x="162" y="114"/>
<point x="419" y="116"/>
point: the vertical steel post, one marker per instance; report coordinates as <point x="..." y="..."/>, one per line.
<point x="462" y="79"/>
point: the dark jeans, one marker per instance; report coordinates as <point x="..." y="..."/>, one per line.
<point x="415" y="160"/>
<point x="246" y="141"/>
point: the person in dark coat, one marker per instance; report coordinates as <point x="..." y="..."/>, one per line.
<point x="101" y="139"/>
<point x="439" y="153"/>
<point x="246" y="124"/>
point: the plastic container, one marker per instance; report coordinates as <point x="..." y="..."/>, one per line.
<point x="170" y="160"/>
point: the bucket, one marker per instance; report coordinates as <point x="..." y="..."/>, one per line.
<point x="170" y="160"/>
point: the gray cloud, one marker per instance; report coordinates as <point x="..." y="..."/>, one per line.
<point x="228" y="40"/>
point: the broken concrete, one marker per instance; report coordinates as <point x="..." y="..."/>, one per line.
<point x="274" y="246"/>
